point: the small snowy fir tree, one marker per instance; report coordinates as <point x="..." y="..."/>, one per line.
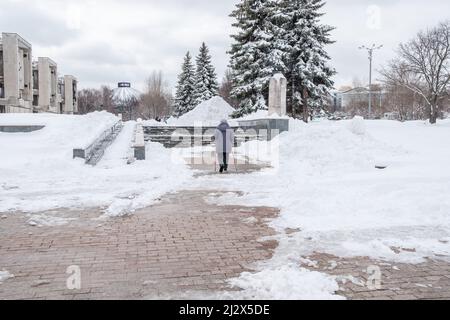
<point x="184" y="98"/>
<point x="305" y="57"/>
<point x="254" y="59"/>
<point x="206" y="84"/>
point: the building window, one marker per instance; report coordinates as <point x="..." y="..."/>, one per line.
<point x="1" y="63"/>
<point x="35" y="79"/>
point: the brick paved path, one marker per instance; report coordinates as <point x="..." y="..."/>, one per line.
<point x="428" y="280"/>
<point x="182" y="247"/>
<point x="179" y="245"/>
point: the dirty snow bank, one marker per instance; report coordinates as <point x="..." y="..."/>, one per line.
<point x="288" y="282"/>
<point x="79" y="130"/>
<point x="325" y="182"/>
<point x="38" y="172"/>
<point x="326" y="178"/>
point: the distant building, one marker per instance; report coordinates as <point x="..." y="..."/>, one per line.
<point x="126" y="100"/>
<point x="16" y="83"/>
<point x="68" y="87"/>
<point x="343" y="100"/>
<point x="392" y="116"/>
<point x="32" y="87"/>
<point x="46" y="96"/>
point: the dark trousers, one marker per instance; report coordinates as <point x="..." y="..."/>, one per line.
<point x="224" y="159"/>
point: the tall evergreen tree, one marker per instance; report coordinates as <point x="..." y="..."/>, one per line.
<point x="253" y="58"/>
<point x="206" y="84"/>
<point x="280" y="36"/>
<point x="184" y="98"/>
<point x="308" y="72"/>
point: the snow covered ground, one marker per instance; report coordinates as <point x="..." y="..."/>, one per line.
<point x="327" y="186"/>
<point x="324" y="180"/>
<point x="38" y="172"/>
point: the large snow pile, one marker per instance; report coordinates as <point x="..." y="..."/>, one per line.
<point x="53" y="144"/>
<point x="325" y="182"/>
<point x="208" y="113"/>
<point x="78" y="131"/>
<point x="38" y="172"/>
<point x="334" y="185"/>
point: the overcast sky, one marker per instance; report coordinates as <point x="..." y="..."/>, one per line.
<point x="107" y="41"/>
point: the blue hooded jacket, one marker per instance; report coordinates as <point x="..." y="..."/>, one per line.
<point x="224" y="137"/>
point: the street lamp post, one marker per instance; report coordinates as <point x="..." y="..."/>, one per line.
<point x="370" y="51"/>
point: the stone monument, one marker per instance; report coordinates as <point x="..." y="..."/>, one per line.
<point x="270" y="127"/>
<point x="277" y="95"/>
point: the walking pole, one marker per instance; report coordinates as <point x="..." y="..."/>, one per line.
<point x="215" y="162"/>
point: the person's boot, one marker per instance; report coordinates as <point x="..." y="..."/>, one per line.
<point x="225" y="167"/>
<point x="221" y="168"/>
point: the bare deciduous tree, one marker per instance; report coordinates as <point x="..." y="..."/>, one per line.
<point x="157" y="100"/>
<point x="423" y="67"/>
<point x="89" y="100"/>
<point x="107" y="99"/>
<point x="406" y="104"/>
<point x="356" y="102"/>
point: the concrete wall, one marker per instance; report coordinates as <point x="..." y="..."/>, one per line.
<point x="268" y="128"/>
<point x="20" y="129"/>
<point x="48" y="85"/>
<point x="70" y="104"/>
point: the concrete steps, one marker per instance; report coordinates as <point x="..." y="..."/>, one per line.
<point x="95" y="151"/>
<point x="99" y="149"/>
<point x="186" y="137"/>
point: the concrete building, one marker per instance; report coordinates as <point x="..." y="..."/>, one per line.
<point x="16" y="83"/>
<point x="32" y="87"/>
<point x="126" y="100"/>
<point x="68" y="87"/>
<point x="46" y="97"/>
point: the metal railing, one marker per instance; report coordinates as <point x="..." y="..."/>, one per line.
<point x="95" y="148"/>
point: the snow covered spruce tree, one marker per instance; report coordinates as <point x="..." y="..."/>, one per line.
<point x="308" y="73"/>
<point x="253" y="56"/>
<point x="281" y="36"/>
<point x="184" y="98"/>
<point x="206" y="84"/>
